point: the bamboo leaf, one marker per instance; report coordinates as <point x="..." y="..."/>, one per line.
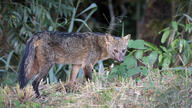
<point x="72" y="21"/>
<point x="8" y="60"/>
<point x="86" y="19"/>
<point x="188" y="17"/>
<point x="92" y="6"/>
<point x="59" y="68"/>
<point x="174" y="25"/>
<point x="52" y="77"/>
<point x="2" y="70"/>
<point x="80" y="20"/>
<point x="160" y="58"/>
<point x="123" y="30"/>
<point x="152" y="46"/>
<point x="165" y="36"/>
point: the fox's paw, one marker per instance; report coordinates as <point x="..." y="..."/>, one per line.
<point x="73" y="86"/>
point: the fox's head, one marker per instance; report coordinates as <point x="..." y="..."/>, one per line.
<point x="117" y="47"/>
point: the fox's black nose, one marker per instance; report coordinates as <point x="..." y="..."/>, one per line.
<point x="121" y="61"/>
<point x="121" y="58"/>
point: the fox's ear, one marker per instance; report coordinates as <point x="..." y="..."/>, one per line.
<point x="127" y="37"/>
<point x="108" y="37"/>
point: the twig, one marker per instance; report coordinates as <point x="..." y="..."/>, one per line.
<point x="181" y="60"/>
<point x="124" y="11"/>
<point x="112" y="22"/>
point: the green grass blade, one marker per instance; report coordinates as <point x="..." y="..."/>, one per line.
<point x="92" y="6"/>
<point x="80" y="20"/>
<point x="52" y="77"/>
<point x="90" y="14"/>
<point x="123" y="33"/>
<point x="8" y="60"/>
<point x="59" y="68"/>
<point x="72" y="21"/>
<point x="188" y="17"/>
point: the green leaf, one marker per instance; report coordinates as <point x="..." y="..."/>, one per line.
<point x="133" y="71"/>
<point x="60" y="66"/>
<point x="80" y="20"/>
<point x="153" y="57"/>
<point x="160" y="58"/>
<point x="123" y="30"/>
<point x="139" y="54"/>
<point x="8" y="60"/>
<point x="163" y="30"/>
<point x="181" y="45"/>
<point x="165" y="36"/>
<point x="92" y="6"/>
<point x="166" y="62"/>
<point x="130" y="61"/>
<point x="2" y="70"/>
<point x="36" y="105"/>
<point x="182" y="25"/>
<point x="188" y="27"/>
<point x="188" y="17"/>
<point x="52" y="76"/>
<point x="17" y="14"/>
<point x="175" y="43"/>
<point x="49" y="17"/>
<point x="144" y="70"/>
<point x="72" y="21"/>
<point x="88" y="16"/>
<point x="152" y="46"/>
<point x="164" y="49"/>
<point x="137" y="44"/>
<point x="150" y="60"/>
<point x="174" y="25"/>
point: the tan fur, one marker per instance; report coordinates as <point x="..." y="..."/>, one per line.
<point x="83" y="50"/>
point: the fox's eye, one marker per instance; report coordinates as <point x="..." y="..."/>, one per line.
<point x="115" y="51"/>
<point x="123" y="50"/>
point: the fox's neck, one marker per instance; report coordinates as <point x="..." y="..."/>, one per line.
<point x="104" y="54"/>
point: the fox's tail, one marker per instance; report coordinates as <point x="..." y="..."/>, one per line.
<point x="27" y="64"/>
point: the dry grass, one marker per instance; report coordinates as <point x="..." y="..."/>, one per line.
<point x="153" y="91"/>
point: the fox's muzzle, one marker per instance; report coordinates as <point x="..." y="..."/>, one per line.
<point x="121" y="61"/>
<point x="120" y="58"/>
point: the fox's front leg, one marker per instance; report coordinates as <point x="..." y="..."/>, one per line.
<point x="88" y="72"/>
<point x="75" y="70"/>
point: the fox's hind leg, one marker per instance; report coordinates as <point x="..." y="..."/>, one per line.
<point x="88" y="72"/>
<point x="45" y="57"/>
<point x="43" y="72"/>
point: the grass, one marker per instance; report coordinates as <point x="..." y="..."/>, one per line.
<point x="154" y="91"/>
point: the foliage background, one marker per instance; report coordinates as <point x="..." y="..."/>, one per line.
<point x="161" y="34"/>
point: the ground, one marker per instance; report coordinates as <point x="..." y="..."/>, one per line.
<point x="155" y="90"/>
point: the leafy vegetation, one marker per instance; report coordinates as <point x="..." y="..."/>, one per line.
<point x="152" y="75"/>
<point x="145" y="56"/>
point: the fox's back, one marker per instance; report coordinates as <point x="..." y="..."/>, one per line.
<point x="71" y="48"/>
<point x="75" y="48"/>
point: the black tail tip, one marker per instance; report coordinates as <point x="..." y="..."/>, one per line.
<point x="22" y="83"/>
